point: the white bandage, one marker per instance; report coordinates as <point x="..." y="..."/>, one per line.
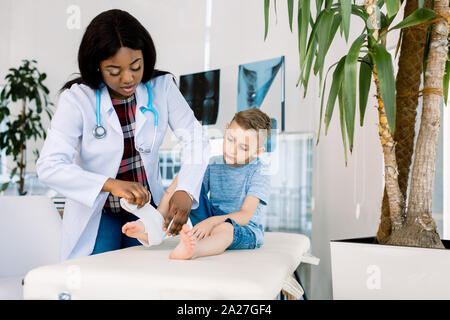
<point x="152" y="219"/>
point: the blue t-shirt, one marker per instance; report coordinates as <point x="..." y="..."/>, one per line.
<point x="228" y="186"/>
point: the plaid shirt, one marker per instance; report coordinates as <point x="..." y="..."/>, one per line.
<point x="131" y="167"/>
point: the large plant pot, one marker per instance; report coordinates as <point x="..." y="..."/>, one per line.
<point x="362" y="269"/>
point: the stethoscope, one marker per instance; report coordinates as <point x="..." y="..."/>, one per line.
<point x="99" y="131"/>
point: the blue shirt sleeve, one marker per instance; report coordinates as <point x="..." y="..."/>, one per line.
<point x="259" y="185"/>
<point x="206" y="179"/>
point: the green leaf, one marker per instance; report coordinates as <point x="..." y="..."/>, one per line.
<point x="290" y="12"/>
<point x="336" y="21"/>
<point x="45" y="89"/>
<point x="318" y="6"/>
<point x="446" y="77"/>
<point x="334" y="26"/>
<point x="323" y="35"/>
<point x="349" y="86"/>
<point x="417" y="17"/>
<point x="313" y="37"/>
<point x="338" y="76"/>
<point x="49" y="114"/>
<point x="392" y="7"/>
<point x="307" y="69"/>
<point x="13" y="172"/>
<point x="303" y="24"/>
<point x="342" y="122"/>
<point x="321" y="101"/>
<point x="365" y="76"/>
<point x="385" y="71"/>
<point x="4" y="186"/>
<point x="346" y="10"/>
<point x="266" y="17"/>
<point x="328" y="3"/>
<point x="384" y="21"/>
<point x="360" y="12"/>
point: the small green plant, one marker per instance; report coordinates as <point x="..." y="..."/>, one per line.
<point x="23" y="85"/>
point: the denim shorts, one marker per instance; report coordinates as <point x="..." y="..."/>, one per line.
<point x="243" y="237"/>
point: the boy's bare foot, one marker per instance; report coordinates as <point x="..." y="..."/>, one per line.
<point x="135" y="229"/>
<point x="185" y="248"/>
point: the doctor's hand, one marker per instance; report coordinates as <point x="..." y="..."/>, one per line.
<point x="134" y="192"/>
<point x="179" y="207"/>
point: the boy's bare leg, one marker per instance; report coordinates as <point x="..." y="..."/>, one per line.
<point x="163" y="206"/>
<point x="221" y="237"/>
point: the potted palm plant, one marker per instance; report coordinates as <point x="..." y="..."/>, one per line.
<point x="406" y="259"/>
<point x="25" y="86"/>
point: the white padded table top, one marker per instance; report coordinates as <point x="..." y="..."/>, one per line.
<point x="148" y="273"/>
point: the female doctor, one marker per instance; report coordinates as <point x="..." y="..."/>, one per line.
<point x="103" y="140"/>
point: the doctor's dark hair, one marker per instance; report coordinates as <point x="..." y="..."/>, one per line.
<point x="104" y="36"/>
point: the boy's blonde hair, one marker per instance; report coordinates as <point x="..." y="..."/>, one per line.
<point x="254" y="119"/>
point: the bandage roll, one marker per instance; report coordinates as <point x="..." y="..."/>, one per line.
<point x="152" y="219"/>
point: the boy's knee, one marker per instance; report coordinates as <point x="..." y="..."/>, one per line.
<point x="223" y="227"/>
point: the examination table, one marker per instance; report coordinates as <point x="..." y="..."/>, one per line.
<point x="147" y="273"/>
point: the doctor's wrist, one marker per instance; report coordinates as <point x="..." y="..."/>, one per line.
<point x="107" y="185"/>
<point x="190" y="197"/>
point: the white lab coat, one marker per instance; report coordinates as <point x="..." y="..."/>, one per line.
<point x="76" y="164"/>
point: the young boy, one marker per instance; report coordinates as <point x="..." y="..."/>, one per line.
<point x="238" y="184"/>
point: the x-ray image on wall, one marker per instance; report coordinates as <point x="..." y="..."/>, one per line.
<point x="215" y="96"/>
<point x="201" y="91"/>
<point x="254" y="81"/>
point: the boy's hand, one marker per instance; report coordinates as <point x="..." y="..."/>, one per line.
<point x="179" y="209"/>
<point x="204" y="228"/>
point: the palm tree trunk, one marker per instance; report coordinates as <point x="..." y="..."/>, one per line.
<point x="419" y="228"/>
<point x="407" y="85"/>
<point x="395" y="200"/>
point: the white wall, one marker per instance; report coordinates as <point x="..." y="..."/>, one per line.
<point x="37" y="30"/>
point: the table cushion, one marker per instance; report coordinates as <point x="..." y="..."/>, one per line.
<point x="148" y="273"/>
